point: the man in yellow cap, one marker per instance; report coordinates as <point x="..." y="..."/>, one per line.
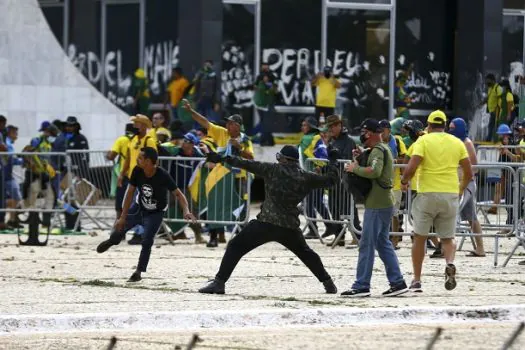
<point x="436" y="157"/>
<point x="141" y="123"/>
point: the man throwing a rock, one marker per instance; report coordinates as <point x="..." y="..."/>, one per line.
<point x="286" y="185"/>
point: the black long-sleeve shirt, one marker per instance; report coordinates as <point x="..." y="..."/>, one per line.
<point x="285" y="186"/>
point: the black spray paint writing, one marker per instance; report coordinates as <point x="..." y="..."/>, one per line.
<point x="159" y="60"/>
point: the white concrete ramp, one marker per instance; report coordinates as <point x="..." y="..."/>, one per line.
<point x="38" y="82"/>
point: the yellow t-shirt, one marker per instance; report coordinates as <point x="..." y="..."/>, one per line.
<point x="120" y="147"/>
<point x="397" y="171"/>
<point x="176" y="89"/>
<point x="326" y="93"/>
<point x="153" y="132"/>
<point x="221" y="137"/>
<point x="494" y="98"/>
<point x="438" y="170"/>
<point x="413" y="183"/>
<point x="135" y="145"/>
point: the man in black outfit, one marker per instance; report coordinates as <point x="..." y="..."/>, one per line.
<point x="285" y="184"/>
<point x="153" y="184"/>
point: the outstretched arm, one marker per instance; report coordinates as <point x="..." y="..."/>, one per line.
<point x="195" y="115"/>
<point x="329" y="179"/>
<point x="252" y="166"/>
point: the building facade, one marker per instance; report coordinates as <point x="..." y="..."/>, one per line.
<point x="444" y="47"/>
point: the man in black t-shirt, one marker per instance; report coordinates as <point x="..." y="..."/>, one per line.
<point x="153" y="184"/>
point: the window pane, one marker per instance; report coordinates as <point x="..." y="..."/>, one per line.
<point x="238" y="50"/>
<point x="293" y="52"/>
<point x="55" y="18"/>
<point x="512" y="48"/>
<point x="122" y="53"/>
<point x="425" y="41"/>
<point x="161" y="53"/>
<point x="358" y="52"/>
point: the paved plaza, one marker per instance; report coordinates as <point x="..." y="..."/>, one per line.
<point x="65" y="295"/>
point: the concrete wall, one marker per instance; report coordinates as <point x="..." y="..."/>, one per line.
<point x="38" y="81"/>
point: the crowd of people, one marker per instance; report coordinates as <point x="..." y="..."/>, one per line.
<point x="42" y="173"/>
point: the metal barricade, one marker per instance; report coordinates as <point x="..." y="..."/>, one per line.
<point x="30" y="193"/>
<point x="520" y="221"/>
<point x="218" y="195"/>
<point x="332" y="206"/>
<point x="93" y="186"/>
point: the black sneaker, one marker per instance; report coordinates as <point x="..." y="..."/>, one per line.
<point x="415" y="287"/>
<point x="136" y="239"/>
<point x="356" y="293"/>
<point x="135" y="277"/>
<point x="438" y="253"/>
<point x="212" y="243"/>
<point x="103" y="246"/>
<point x="329" y="287"/>
<point x="396" y="290"/>
<point x="214" y="286"/>
<point x="450" y="277"/>
<point x="341" y="243"/>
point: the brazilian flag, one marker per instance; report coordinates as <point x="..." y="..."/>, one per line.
<point x="225" y="197"/>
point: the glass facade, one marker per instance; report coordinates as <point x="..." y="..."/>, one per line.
<point x="358" y="51"/>
<point x="357" y="43"/>
<point x="238" y="57"/>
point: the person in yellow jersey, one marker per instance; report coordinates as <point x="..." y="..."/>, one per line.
<point x="230" y="141"/>
<point x="176" y="90"/>
<point x="493" y="101"/>
<point x="327" y="85"/>
<point x="159" y="126"/>
<point x="436" y="156"/>
<point x="120" y="150"/>
<point x="141" y="123"/>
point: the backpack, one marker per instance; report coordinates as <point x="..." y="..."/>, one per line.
<point x="359" y="186"/>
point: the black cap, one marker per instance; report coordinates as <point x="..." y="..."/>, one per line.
<point x="371" y="125"/>
<point x="71" y="120"/>
<point x="290" y="152"/>
<point x="385" y="124"/>
<point x="312" y="122"/>
<point x="235" y="118"/>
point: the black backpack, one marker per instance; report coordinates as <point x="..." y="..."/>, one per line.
<point x="359" y="186"/>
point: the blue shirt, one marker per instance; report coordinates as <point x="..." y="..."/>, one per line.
<point x="393" y="146"/>
<point x="12" y="160"/>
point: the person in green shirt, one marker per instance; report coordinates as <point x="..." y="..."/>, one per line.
<point x="265" y="88"/>
<point x="379" y="207"/>
<point x="140" y="92"/>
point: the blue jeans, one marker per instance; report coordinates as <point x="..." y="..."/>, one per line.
<point x="376" y="226"/>
<point x="151" y="222"/>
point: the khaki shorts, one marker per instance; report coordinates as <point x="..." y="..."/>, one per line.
<point x="435" y="209"/>
<point x="397" y="201"/>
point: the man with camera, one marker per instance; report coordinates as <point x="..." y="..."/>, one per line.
<point x="379" y="206"/>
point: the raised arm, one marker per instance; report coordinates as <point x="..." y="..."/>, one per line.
<point x="195" y="115"/>
<point x="252" y="166"/>
<point x="329" y="179"/>
<point x="375" y="169"/>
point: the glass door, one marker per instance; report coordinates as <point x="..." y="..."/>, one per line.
<point x="358" y="44"/>
<point x="513" y="43"/>
<point x="240" y="56"/>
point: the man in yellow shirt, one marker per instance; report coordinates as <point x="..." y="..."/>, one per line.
<point x="141" y="123"/>
<point x="493" y="101"/>
<point x="327" y="86"/>
<point x="436" y="156"/>
<point x="230" y="141"/>
<point x="159" y="124"/>
<point x="120" y="150"/>
<point x="175" y="90"/>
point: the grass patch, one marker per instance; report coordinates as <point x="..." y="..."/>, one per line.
<point x="98" y="283"/>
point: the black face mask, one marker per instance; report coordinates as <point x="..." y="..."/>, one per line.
<point x="363" y="138"/>
<point x="327" y="74"/>
<point x="413" y="135"/>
